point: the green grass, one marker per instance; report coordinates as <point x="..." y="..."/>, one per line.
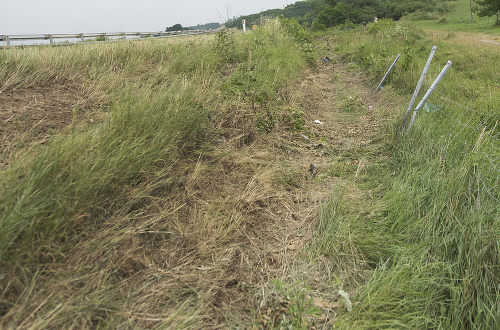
<point x="459" y="19"/>
<point x="430" y="244"/>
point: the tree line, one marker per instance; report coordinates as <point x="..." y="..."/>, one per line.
<point x="323" y="14"/>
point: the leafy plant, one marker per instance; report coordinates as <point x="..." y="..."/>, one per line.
<point x="225" y="45"/>
<point x="298" y="305"/>
<point x="293" y="119"/>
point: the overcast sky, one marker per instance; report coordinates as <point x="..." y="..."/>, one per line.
<point x="86" y="16"/>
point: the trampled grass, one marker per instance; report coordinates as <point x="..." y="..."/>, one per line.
<point x="105" y="224"/>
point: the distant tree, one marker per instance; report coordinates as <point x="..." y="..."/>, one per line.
<point x="330" y="16"/>
<point x="208" y="26"/>
<point x="488" y="8"/>
<point x="176" y="27"/>
<point x="300" y="11"/>
<point x="398" y="9"/>
<point x="330" y="13"/>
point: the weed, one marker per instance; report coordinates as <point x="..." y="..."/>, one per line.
<point x="293" y="119"/>
<point x="225" y="45"/>
<point x="298" y="306"/>
<point x="266" y="121"/>
<point x="352" y="103"/>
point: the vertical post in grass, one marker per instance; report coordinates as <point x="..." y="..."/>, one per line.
<point x="387" y="73"/>
<point x="471" y="13"/>
<point x="7" y="40"/>
<point x="429" y="92"/>
<point x="419" y="85"/>
<point x="81" y="37"/>
<point x="244" y="26"/>
<point x="49" y="36"/>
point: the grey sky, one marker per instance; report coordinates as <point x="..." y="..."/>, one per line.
<point x="86" y="16"/>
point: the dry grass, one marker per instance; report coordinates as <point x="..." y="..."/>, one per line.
<point x="198" y="242"/>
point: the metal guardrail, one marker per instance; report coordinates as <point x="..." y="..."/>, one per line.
<point x="9" y="40"/>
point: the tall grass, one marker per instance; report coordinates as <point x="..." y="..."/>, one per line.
<point x="149" y="121"/>
<point x="104" y="186"/>
<point x="432" y="243"/>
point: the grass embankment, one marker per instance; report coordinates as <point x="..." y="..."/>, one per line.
<point x="143" y="218"/>
<point x="458" y="19"/>
<point x="431" y="243"/>
<point x="103" y="225"/>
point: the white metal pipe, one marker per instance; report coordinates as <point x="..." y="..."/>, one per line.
<point x="387" y="73"/>
<point x="420" y="82"/>
<point x="429" y="92"/>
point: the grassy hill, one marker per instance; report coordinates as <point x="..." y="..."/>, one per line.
<point x="460" y="19"/>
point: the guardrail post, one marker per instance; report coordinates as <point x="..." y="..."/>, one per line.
<point x="105" y="36"/>
<point x="124" y="36"/>
<point x="419" y="85"/>
<point x="387" y="73"/>
<point x="49" y="36"/>
<point x="429" y="92"/>
<point x="7" y="40"/>
<point x="82" y="38"/>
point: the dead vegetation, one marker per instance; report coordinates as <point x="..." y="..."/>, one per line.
<point x="202" y="249"/>
<point x="31" y="116"/>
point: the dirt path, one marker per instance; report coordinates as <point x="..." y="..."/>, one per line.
<point x="350" y="115"/>
<point x="491" y="40"/>
<point x="470" y="39"/>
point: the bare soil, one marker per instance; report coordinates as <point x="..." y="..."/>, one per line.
<point x="32" y="116"/>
